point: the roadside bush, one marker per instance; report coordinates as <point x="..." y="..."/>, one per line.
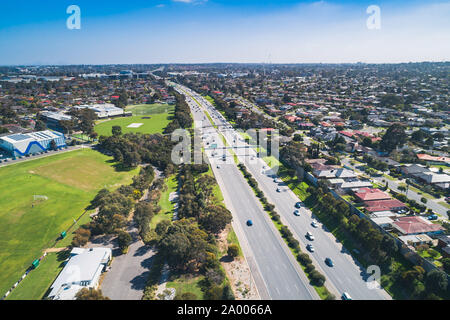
<point x="309" y="268"/>
<point x="304" y="259"/>
<point x="276" y="217"/>
<point x="317" y="278"/>
<point x="233" y="250"/>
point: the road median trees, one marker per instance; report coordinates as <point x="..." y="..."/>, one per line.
<point x="314" y="276"/>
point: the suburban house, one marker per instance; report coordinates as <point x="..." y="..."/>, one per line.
<point x="82" y="270"/>
<point x="416" y="225"/>
<point x="369" y="194"/>
<point x="434" y="160"/>
<point x="416" y="240"/>
<point x="385" y="205"/>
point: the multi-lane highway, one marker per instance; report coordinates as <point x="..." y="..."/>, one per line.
<point x="346" y="275"/>
<point x="276" y="272"/>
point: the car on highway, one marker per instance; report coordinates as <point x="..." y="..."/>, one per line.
<point x="346" y="296"/>
<point x="298" y="205"/>
<point x="310" y="248"/>
<point x="309" y="236"/>
<point x="249" y="223"/>
<point x="297" y="213"/>
<point x="314" y="224"/>
<point x="329" y="262"/>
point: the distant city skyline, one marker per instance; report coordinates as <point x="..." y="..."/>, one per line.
<point x="223" y="31"/>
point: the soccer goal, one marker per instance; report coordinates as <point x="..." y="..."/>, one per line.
<point x="40" y="198"/>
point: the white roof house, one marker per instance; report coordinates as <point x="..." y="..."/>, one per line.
<point x="83" y="270"/>
<point x="355" y="185"/>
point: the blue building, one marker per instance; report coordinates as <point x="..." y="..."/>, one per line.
<point x="19" y="145"/>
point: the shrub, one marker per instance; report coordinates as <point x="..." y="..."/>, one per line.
<point x="233" y="250"/>
<point x="309" y="268"/>
<point x="304" y="259"/>
<point x="317" y="278"/>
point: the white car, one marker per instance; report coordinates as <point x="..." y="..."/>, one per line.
<point x="310" y="248"/>
<point x="314" y="224"/>
<point x="309" y="236"/>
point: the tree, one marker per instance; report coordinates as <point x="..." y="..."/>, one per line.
<point x="124" y="240"/>
<point x="116" y="131"/>
<point x="53" y="145"/>
<point x="215" y="219"/>
<point x="429" y="142"/>
<point x="394" y="137"/>
<point x="90" y="294"/>
<point x="418" y="136"/>
<point x="81" y="237"/>
<point x="131" y="159"/>
<point x="233" y="250"/>
<point x="227" y="293"/>
<point x="446" y="264"/>
<point x="40" y="126"/>
<point x="298" y="137"/>
<point x="436" y="281"/>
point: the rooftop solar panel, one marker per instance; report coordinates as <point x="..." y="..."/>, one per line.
<point x="19" y="137"/>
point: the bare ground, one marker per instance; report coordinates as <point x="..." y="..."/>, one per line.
<point x="238" y="272"/>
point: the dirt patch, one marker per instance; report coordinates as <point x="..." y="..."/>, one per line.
<point x="238" y="271"/>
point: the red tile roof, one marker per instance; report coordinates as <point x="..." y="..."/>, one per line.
<point x="366" y="194"/>
<point x="383" y="205"/>
<point x="412" y="225"/>
<point x="427" y="157"/>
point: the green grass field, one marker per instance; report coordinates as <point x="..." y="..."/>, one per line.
<point x="70" y="181"/>
<point x="167" y="207"/>
<point x="183" y="284"/>
<point x="149" y="109"/>
<point x="36" y="284"/>
<point x="155" y="124"/>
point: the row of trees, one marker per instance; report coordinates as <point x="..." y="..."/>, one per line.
<point x="182" y="117"/>
<point x="189" y="245"/>
<point x="315" y="276"/>
<point x="132" y="149"/>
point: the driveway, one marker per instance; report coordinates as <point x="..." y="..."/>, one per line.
<point x="129" y="272"/>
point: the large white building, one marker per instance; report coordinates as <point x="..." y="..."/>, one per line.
<point x="106" y="110"/>
<point x="18" y="145"/>
<point x="83" y="270"/>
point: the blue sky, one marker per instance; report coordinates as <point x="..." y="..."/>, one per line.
<point x="202" y="31"/>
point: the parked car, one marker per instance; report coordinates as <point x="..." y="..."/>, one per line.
<point x="278" y="190"/>
<point x="297" y="213"/>
<point x="309" y="236"/>
<point x="310" y="248"/>
<point x="314" y="224"/>
<point x="249" y="223"/>
<point x="298" y="205"/>
<point x="346" y="296"/>
<point x="433" y="217"/>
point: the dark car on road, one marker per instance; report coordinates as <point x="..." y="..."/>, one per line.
<point x="329" y="262"/>
<point x="249" y="223"/>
